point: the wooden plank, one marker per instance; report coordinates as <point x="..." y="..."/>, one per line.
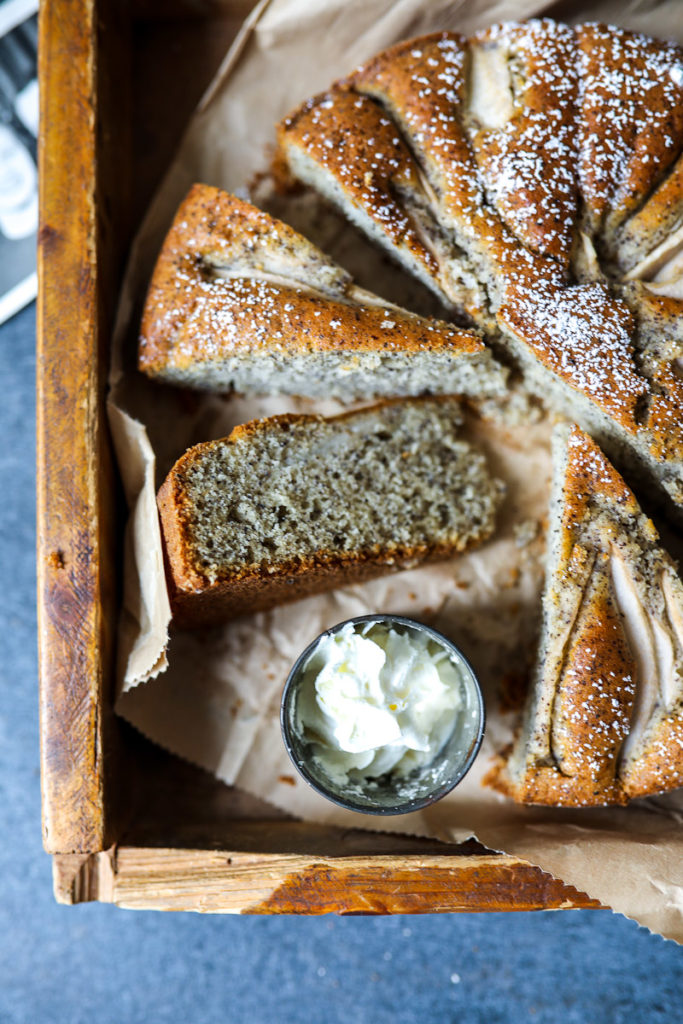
<point x="224" y="881"/>
<point x="76" y="549"/>
<point x="86" y="62"/>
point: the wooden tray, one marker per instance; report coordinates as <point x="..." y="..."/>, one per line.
<point x="125" y="822"/>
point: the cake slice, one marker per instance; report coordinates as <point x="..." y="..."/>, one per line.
<point x="630" y="122"/>
<point x="295" y="505"/>
<point x="520" y="117"/>
<point x="241" y="302"/>
<point x="604" y="717"/>
<point x="346" y="147"/>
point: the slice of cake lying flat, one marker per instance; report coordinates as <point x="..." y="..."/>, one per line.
<point x="295" y="505"/>
<point x="604" y="718"/>
<point x="241" y="302"/>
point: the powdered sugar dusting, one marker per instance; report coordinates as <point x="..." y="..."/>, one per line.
<point x="589" y="121"/>
<point x="528" y="164"/>
<point x="630" y="114"/>
<point x="358" y="145"/>
<point x="584" y="336"/>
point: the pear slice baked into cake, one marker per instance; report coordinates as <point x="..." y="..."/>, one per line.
<point x="532" y="175"/>
<point x="241" y="302"/>
<point x="604" y="717"/>
<point x="296" y="505"/>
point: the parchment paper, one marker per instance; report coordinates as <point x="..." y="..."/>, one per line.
<point x="213" y="696"/>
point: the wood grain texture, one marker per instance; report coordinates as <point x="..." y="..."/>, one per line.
<point x="193" y="843"/>
<point x="76" y="539"/>
<point x="226" y="881"/>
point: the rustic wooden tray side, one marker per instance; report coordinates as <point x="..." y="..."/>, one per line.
<point x="128" y="823"/>
<point x="76" y="489"/>
<point x="237" y="882"/>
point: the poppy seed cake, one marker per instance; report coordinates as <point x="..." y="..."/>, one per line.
<point x="239" y="301"/>
<point x="604" y="717"/>
<point x="533" y="173"/>
<point x="294" y="505"/>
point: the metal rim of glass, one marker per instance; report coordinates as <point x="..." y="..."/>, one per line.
<point x="295" y="745"/>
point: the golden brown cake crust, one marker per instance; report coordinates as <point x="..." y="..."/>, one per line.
<point x="193" y="315"/>
<point x="583" y="336"/>
<point x="600" y="689"/>
<point x="661" y="767"/>
<point x="527" y="164"/>
<point x="421" y="83"/>
<point x="631" y="118"/>
<point x="589" y="473"/>
<point x="572" y="151"/>
<point x="547" y="786"/>
<point x="594" y="697"/>
<point x="223" y="600"/>
<point x="651" y="224"/>
<point x="351" y="137"/>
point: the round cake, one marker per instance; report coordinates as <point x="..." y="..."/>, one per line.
<point x="532" y="177"/>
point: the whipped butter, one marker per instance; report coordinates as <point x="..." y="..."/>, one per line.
<point x="375" y="700"/>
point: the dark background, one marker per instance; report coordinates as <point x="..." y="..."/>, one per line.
<point x="98" y="964"/>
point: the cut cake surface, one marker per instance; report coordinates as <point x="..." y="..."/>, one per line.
<point x="294" y="505"/>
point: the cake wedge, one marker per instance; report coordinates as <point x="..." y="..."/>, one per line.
<point x="603" y="722"/>
<point x="240" y="301"/>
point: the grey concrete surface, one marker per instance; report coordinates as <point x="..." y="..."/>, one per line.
<point x="98" y="964"/>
